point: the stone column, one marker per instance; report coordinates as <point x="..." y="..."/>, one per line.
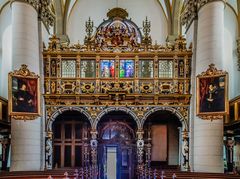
<point x="208" y="135"/>
<point x="25" y="135"/>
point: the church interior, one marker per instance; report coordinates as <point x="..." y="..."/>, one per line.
<point x="116" y="89"/>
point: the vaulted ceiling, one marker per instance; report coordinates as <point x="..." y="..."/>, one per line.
<point x="171" y="8"/>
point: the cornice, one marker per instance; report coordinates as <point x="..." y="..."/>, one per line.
<point x="191" y="10"/>
<point x="43" y="10"/>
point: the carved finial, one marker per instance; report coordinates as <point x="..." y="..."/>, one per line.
<point x="180" y="43"/>
<point x="146" y="31"/>
<point x="89" y="30"/>
<point x="54" y="43"/>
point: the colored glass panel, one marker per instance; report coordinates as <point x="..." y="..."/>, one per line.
<point x="107" y="68"/>
<point x="126" y="69"/>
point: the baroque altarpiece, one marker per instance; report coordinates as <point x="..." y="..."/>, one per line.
<point x="117" y="69"/>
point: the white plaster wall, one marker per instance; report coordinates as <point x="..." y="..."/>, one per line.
<point x="25" y="135"/>
<point x="230" y="59"/>
<point x="97" y="10"/>
<point x="5" y="49"/>
<point x="173" y="144"/>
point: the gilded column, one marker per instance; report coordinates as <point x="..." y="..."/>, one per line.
<point x="208" y="135"/>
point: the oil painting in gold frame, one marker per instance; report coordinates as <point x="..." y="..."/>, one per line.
<point x="212" y="94"/>
<point x="24" y="94"/>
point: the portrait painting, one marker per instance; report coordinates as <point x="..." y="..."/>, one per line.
<point x="212" y="95"/>
<point x="24" y="95"/>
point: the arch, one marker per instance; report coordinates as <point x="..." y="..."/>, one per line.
<point x="110" y="109"/>
<point x="59" y="111"/>
<point x="170" y="109"/>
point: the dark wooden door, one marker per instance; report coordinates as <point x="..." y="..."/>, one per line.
<point x="120" y="136"/>
<point x="69" y="139"/>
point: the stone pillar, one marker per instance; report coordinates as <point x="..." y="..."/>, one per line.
<point x="25" y="135"/>
<point x="208" y="135"/>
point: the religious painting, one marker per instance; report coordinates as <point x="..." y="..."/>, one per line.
<point x="88" y="68"/>
<point x="126" y="69"/>
<point x="212" y="92"/>
<point x="24" y="96"/>
<point x="107" y="68"/>
<point x="146" y="68"/>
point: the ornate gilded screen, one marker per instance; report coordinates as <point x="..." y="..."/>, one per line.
<point x="117" y="65"/>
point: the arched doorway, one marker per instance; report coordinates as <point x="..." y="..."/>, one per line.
<point x="162" y="140"/>
<point x="71" y="140"/>
<point x="117" y="145"/>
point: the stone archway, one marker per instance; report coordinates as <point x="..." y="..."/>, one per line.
<point x="51" y="117"/>
<point x="110" y="109"/>
<point x="182" y="115"/>
<point x="116" y="128"/>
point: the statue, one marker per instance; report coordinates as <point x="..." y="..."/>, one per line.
<point x="185" y="151"/>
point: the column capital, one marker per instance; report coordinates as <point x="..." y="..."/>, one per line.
<point x="192" y="8"/>
<point x="43" y="9"/>
<point x="201" y="3"/>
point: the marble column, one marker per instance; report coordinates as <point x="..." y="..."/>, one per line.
<point x="208" y="135"/>
<point x="25" y="135"/>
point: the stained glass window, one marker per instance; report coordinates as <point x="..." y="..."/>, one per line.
<point x="165" y="69"/>
<point x="126" y="69"/>
<point x="68" y="68"/>
<point x="146" y="68"/>
<point x="107" y="68"/>
<point x="87" y="68"/>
